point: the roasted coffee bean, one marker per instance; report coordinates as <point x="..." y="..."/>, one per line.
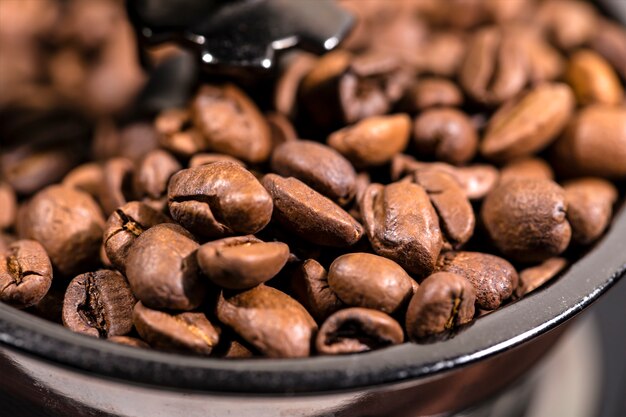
<point x="25" y="273"/>
<point x="594" y="143"/>
<point x="231" y="123"/>
<point x="68" y="223"/>
<point x="568" y="23"/>
<point x="208" y="158"/>
<point x="129" y="341"/>
<point x="402" y="225"/>
<point x="370" y="281"/>
<point x="309" y="215"/>
<point x="240" y="263"/>
<point x="442" y="302"/>
<point x="495" y="68"/>
<point x="446" y="134"/>
<point x="162" y="269"/>
<point x="528" y="124"/>
<point x="320" y="167"/>
<point x="535" y="276"/>
<point x="124" y="226"/>
<point x="355" y="330"/>
<point x="116" y="189"/>
<point x="493" y="278"/>
<point x="526" y="168"/>
<point x="182" y="332"/>
<point x="431" y="92"/>
<point x="441" y="54"/>
<point x="99" y="304"/>
<point x="526" y="219"/>
<point x="610" y="41"/>
<point x="88" y="177"/>
<point x="286" y="91"/>
<point x="271" y="321"/>
<point x="153" y="173"/>
<point x="456" y="215"/>
<point x="589" y="207"/>
<point x="310" y="287"/>
<point x="8" y="202"/>
<point x="373" y="141"/>
<point x="219" y="199"/>
<point x="281" y="129"/>
<point x="177" y="135"/>
<point x="593" y="80"/>
<point x="544" y="62"/>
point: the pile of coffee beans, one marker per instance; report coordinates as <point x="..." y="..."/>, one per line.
<point x="448" y="159"/>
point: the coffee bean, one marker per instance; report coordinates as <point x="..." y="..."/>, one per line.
<point x="442" y="54"/>
<point x="286" y="91"/>
<point x="129" y="341"/>
<point x="370" y="281"/>
<point x="494" y="69"/>
<point x="455" y="212"/>
<point x="589" y="207"/>
<point x="528" y="124"/>
<point x="271" y="321"/>
<point x="442" y="302"/>
<point x="355" y="330"/>
<point x="68" y="223"/>
<point x="528" y="167"/>
<point x="281" y="129"/>
<point x="240" y="263"/>
<point x="219" y="199"/>
<point x="310" y="287"/>
<point x="162" y="269"/>
<point x="183" y="332"/>
<point x="535" y="276"/>
<point x="153" y="173"/>
<point x="99" y="304"/>
<point x="447" y="134"/>
<point x="231" y="123"/>
<point x="569" y="24"/>
<point x="594" y="143"/>
<point x="402" y="225"/>
<point x="177" y="135"/>
<point x="116" y="189"/>
<point x="8" y="202"/>
<point x="373" y="141"/>
<point x="431" y="92"/>
<point x="593" y="80"/>
<point x="88" y="177"/>
<point x="526" y="219"/>
<point x="493" y="278"/>
<point x="25" y="273"/>
<point x="124" y="226"/>
<point x="208" y="158"/>
<point x="309" y="215"/>
<point x="544" y="62"/>
<point x="319" y="166"/>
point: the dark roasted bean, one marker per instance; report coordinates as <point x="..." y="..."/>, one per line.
<point x="310" y="286"/>
<point x="593" y="80"/>
<point x="117" y="184"/>
<point x="535" y="276"/>
<point x="25" y="273"/>
<point x="153" y="173"/>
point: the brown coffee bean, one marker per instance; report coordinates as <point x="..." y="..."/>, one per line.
<point x="526" y="219"/>
<point x="271" y="321"/>
<point x="493" y="278"/>
<point x="568" y="23"/>
<point x="177" y="135"/>
<point x="240" y="263"/>
<point x="370" y="281"/>
<point x="153" y="173"/>
<point x="319" y="166"/>
<point x="526" y="168"/>
<point x="355" y="330"/>
<point x="162" y="269"/>
<point x="402" y="225"/>
<point x="535" y="276"/>
<point x="182" y="332"/>
<point x="116" y="189"/>
<point x="25" y="273"/>
<point x="309" y="215"/>
<point x="589" y="207"/>
<point x="441" y="54"/>
<point x="281" y="129"/>
<point x="68" y="223"/>
<point x="373" y="141"/>
<point x="99" y="304"/>
<point x="609" y="40"/>
<point x="544" y="62"/>
<point x="310" y="287"/>
<point x="208" y="158"/>
<point x="129" y="341"/>
<point x="431" y="92"/>
<point x="443" y="301"/>
<point x="124" y="226"/>
<point x="495" y="67"/>
<point x="231" y="123"/>
<point x="88" y="177"/>
<point x="8" y="202"/>
<point x="446" y="134"/>
<point x="594" y="143"/>
<point x="286" y="91"/>
<point x="593" y="80"/>
<point x="456" y="215"/>
<point x="219" y="199"/>
<point x="528" y="124"/>
<point x="170" y="121"/>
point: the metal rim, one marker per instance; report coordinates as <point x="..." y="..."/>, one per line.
<point x="517" y="323"/>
